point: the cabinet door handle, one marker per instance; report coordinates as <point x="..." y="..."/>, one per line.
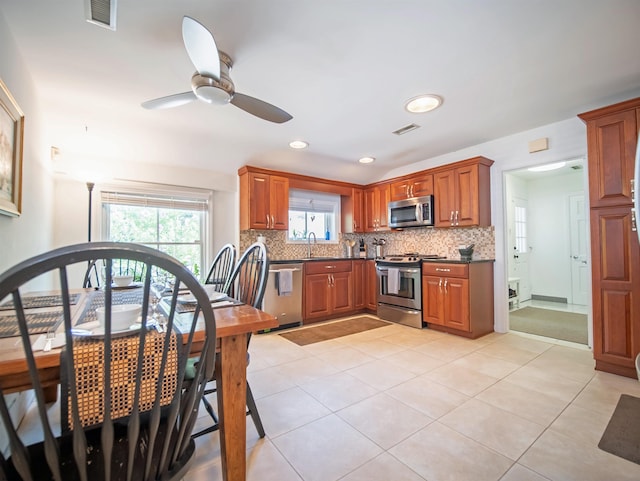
<point x="440" y="285"/>
<point x="267" y="216"/>
<point x="451" y="218"/>
<point x="273" y="222"/>
<point x="445" y="286"/>
<point x="634" y="226"/>
<point x="456" y="217"/>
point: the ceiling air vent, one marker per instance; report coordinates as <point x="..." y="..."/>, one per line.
<point x="576" y="167"/>
<point x="406" y="129"/>
<point x="101" y="12"/>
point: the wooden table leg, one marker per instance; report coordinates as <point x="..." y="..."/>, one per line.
<point x="50" y="394"/>
<point x="231" y="383"/>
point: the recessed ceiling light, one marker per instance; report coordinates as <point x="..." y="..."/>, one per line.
<point x="544" y="168"/>
<point x="298" y="144"/>
<point x="423" y="103"/>
<point x="366" y="160"/>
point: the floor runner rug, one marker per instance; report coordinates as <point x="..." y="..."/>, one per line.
<point x="622" y="435"/>
<point x="332" y="330"/>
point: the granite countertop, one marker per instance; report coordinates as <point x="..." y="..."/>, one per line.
<point x="337" y="258"/>
<point x="456" y="261"/>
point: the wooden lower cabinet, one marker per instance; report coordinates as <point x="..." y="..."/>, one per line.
<point x="371" y="286"/>
<point x="458" y="298"/>
<point x="359" y="284"/>
<point x="615" y="267"/>
<point x="328" y="290"/>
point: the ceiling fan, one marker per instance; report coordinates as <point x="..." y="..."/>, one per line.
<point x="211" y="82"/>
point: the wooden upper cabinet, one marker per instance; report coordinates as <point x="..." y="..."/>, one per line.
<point x="376" y="200"/>
<point x="444" y="198"/>
<point x="413" y="187"/>
<point x="264" y="201"/>
<point x="611" y="147"/>
<point x="279" y="202"/>
<point x="352" y="212"/>
<point x="462" y="195"/>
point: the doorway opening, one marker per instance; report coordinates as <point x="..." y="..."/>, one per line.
<point x="548" y="252"/>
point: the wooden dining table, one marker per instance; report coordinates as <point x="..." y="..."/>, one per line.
<point x="233" y="324"/>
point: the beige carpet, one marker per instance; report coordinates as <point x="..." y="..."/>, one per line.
<point x="567" y="326"/>
<point x="332" y="330"/>
<point x="622" y="435"/>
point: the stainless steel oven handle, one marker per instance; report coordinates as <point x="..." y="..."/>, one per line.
<point x="410" y="270"/>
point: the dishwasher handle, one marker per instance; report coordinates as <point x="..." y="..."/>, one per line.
<point x="297" y="269"/>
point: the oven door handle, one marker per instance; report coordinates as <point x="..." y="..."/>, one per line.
<point x="410" y="270"/>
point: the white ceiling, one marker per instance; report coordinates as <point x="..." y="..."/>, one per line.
<point x="342" y="68"/>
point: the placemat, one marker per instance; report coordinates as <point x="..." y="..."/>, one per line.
<point x="129" y="296"/>
<point x="31" y="302"/>
<point x="181" y="308"/>
<point x="37" y="322"/>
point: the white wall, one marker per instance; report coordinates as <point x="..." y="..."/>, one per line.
<point x="549" y="234"/>
<point x="30" y="233"/>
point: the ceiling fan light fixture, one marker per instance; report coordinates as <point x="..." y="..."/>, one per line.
<point x="298" y="144"/>
<point x="366" y="160"/>
<point x="547" y="167"/>
<point x="423" y="103"/>
<point x="212" y="95"/>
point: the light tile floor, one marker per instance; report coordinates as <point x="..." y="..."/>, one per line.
<point x="402" y="404"/>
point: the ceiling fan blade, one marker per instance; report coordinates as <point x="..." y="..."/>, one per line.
<point x="260" y="108"/>
<point x="169" y="101"/>
<point x="201" y="48"/>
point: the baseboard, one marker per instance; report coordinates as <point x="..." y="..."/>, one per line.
<point x="537" y="297"/>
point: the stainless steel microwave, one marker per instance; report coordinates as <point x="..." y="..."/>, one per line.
<point x="414" y="212"/>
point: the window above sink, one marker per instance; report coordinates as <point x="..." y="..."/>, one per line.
<point x="313" y="212"/>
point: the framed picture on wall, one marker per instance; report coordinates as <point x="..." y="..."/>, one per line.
<point x="11" y="143"/>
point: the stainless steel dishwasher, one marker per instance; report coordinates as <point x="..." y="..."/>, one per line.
<point x="286" y="307"/>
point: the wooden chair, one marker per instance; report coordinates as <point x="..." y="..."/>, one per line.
<point x="221" y="267"/>
<point x="248" y="282"/>
<point x="142" y="432"/>
<point x="96" y="271"/>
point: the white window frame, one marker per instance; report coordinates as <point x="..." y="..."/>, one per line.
<point x="322" y="202"/>
<point x="168" y="191"/>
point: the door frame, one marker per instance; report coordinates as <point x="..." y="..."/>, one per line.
<point x="505" y="243"/>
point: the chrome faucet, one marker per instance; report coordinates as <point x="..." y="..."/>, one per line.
<point x="315" y="241"/>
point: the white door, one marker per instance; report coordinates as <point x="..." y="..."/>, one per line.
<point x="579" y="256"/>
<point x="519" y="247"/>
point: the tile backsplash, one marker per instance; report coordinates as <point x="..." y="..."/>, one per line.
<point x="443" y="242"/>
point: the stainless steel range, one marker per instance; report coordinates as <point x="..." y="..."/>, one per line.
<point x="400" y="288"/>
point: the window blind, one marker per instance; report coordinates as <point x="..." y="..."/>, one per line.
<point x="154" y="200"/>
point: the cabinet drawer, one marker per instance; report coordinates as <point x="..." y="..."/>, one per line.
<point x="318" y="267"/>
<point x="445" y="270"/>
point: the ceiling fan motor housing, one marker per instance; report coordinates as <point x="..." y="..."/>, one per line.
<point x="213" y="90"/>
